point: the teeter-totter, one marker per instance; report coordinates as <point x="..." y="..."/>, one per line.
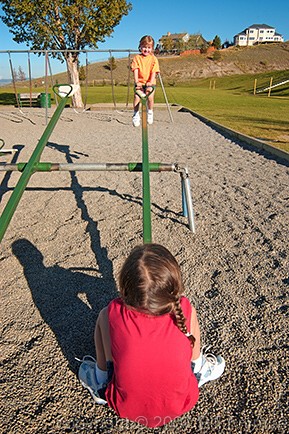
<point x="4" y="151"/>
<point x="34" y="165"/>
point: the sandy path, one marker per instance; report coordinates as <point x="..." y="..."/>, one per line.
<point x="62" y="251"/>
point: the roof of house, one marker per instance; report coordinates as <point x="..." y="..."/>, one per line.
<point x="174" y="35"/>
<point x="260" y="26"/>
<point x="254" y="26"/>
<point x="198" y="39"/>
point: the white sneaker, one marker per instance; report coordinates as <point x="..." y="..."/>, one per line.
<point x="87" y="377"/>
<point x="150" y="117"/>
<point x="211" y="369"/>
<point x="136" y="119"/>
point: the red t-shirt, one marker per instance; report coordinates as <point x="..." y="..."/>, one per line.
<point x="153" y="382"/>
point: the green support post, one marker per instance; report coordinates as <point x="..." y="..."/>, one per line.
<point x="29" y="169"/>
<point x="147" y="227"/>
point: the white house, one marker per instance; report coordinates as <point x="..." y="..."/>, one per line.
<point x="257" y="34"/>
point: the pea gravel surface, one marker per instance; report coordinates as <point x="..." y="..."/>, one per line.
<point x="60" y="257"/>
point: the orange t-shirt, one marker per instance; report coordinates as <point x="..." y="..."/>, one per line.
<point x="145" y="65"/>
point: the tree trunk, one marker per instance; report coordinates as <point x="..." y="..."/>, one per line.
<point x="73" y="76"/>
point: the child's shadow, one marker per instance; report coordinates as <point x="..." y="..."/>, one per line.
<point x="68" y="301"/>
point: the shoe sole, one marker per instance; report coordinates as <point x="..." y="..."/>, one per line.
<point x="213" y="377"/>
<point x="91" y="364"/>
<point x="96" y="399"/>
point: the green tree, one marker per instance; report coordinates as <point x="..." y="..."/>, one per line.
<point x="63" y="25"/>
<point x="217" y="42"/>
<point x="180" y="46"/>
<point x="168" y="43"/>
<point x="111" y="65"/>
<point x="216" y="56"/>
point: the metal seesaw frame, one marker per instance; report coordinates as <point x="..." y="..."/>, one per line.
<point x="34" y="165"/>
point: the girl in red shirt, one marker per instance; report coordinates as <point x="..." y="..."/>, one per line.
<point x="150" y="336"/>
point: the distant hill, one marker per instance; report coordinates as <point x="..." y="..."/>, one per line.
<point x="184" y="69"/>
<point x="4" y="81"/>
<point x="229" y="61"/>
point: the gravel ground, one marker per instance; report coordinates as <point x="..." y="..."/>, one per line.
<point x="71" y="232"/>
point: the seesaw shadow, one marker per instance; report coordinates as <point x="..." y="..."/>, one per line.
<point x="7" y="176"/>
<point x="163" y="213"/>
<point x="68" y="300"/>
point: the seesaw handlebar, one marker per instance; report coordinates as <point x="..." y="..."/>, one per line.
<point x="142" y="93"/>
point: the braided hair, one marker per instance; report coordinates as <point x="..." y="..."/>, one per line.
<point x="150" y="281"/>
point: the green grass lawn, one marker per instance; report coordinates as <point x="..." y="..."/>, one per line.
<point x="227" y="100"/>
<point x="257" y="116"/>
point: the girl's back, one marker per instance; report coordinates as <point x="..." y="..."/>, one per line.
<point x="153" y="382"/>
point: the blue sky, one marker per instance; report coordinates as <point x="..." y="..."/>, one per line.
<point x="223" y="18"/>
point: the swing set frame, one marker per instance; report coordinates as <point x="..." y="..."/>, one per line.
<point x="30" y="97"/>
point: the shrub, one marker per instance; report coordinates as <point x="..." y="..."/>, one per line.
<point x="216" y="56"/>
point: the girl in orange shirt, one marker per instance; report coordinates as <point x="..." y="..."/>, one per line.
<point x="145" y="66"/>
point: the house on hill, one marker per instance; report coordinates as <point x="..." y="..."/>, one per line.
<point x="175" y="37"/>
<point x="257" y="34"/>
<point x="178" y="42"/>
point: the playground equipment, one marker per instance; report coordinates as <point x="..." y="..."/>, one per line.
<point x="147" y="230"/>
<point x="5" y="151"/>
<point x="268" y="88"/>
<point x="30" y="166"/>
<point x="34" y="165"/>
<point x="31" y="98"/>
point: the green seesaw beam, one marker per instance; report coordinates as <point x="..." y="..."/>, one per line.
<point x="147" y="225"/>
<point x="64" y="91"/>
<point x="117" y="167"/>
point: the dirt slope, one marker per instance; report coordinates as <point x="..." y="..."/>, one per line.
<point x="234" y="60"/>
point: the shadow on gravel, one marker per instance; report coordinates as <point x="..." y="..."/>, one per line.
<point x="69" y="301"/>
<point x="7" y="176"/>
<point x="78" y="189"/>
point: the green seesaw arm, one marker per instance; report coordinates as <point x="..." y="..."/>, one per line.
<point x="147" y="226"/>
<point x="64" y="91"/>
